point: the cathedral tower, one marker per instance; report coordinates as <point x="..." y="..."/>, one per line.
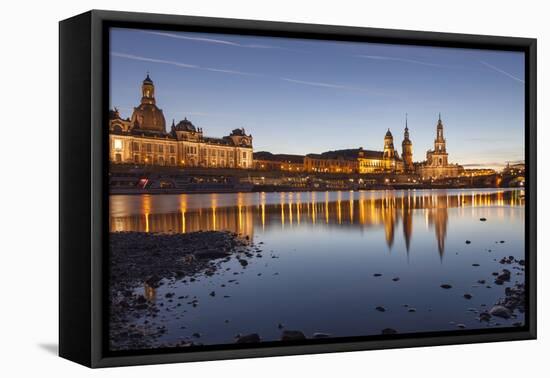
<point x="389" y="150"/>
<point x="407" y="149"/>
<point x="439" y="142"/>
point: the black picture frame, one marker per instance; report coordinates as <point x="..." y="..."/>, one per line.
<point x="83" y="195"/>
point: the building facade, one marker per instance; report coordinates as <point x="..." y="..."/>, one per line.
<point x="357" y="160"/>
<point x="436" y="165"/>
<point x="143" y="139"/>
<point x="266" y="161"/>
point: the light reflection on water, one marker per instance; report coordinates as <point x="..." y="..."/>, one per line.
<point x="321" y="251"/>
<point x="246" y="213"/>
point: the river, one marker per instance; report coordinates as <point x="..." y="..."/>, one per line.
<point x="331" y="258"/>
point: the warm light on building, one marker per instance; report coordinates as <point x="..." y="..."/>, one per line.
<point x="143" y="139"/>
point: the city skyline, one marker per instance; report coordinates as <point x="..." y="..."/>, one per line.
<point x="282" y="92"/>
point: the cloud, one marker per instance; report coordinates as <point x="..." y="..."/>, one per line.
<point x="211" y="40"/>
<point x="180" y="64"/>
<point x="404" y="60"/>
<point x="502" y="72"/>
<point x="330" y="85"/>
<point x="234" y="72"/>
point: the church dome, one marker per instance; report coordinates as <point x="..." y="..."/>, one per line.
<point x="388" y="134"/>
<point x="147" y="116"/>
<point x="185" y="125"/>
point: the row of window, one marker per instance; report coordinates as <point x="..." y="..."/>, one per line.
<point x="150" y="147"/>
<point x="160" y="160"/>
<point x="149" y="159"/>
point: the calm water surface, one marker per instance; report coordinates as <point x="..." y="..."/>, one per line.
<point x="320" y="251"/>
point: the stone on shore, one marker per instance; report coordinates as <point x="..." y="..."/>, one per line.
<point x="210" y="254"/>
<point x="247" y="339"/>
<point x="500" y="311"/>
<point x="292" y="336"/>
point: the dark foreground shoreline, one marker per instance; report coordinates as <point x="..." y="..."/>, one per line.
<point x="148" y="260"/>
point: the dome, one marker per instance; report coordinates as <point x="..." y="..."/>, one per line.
<point x="185" y="125"/>
<point x="148" y="117"/>
<point x="388" y="134"/>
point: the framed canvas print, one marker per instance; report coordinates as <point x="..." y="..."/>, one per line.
<point x="233" y="188"/>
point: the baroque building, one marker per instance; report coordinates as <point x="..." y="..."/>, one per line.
<point x="143" y="139"/>
<point x="357" y="160"/>
<point x="437" y="165"/>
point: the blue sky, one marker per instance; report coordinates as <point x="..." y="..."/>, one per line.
<point x="307" y="96"/>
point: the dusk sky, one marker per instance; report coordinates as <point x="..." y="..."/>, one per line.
<point x="307" y="96"/>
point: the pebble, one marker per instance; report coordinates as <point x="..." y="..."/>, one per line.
<point x="247" y="339"/>
<point x="500" y="311"/>
<point x="292" y="335"/>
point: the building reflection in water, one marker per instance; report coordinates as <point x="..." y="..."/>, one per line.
<point x="362" y="210"/>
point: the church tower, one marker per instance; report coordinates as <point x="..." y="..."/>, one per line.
<point x="439" y="143"/>
<point x="147" y="91"/>
<point x="407" y="149"/>
<point x="389" y="150"/>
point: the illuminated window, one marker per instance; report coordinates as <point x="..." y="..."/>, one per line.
<point x="118" y="144"/>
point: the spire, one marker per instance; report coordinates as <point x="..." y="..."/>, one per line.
<point x="439" y="116"/>
<point x="148" y="79"/>
<point x="406" y="133"/>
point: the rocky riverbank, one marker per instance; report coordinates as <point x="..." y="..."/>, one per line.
<point x="152" y="260"/>
<point x="159" y="281"/>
